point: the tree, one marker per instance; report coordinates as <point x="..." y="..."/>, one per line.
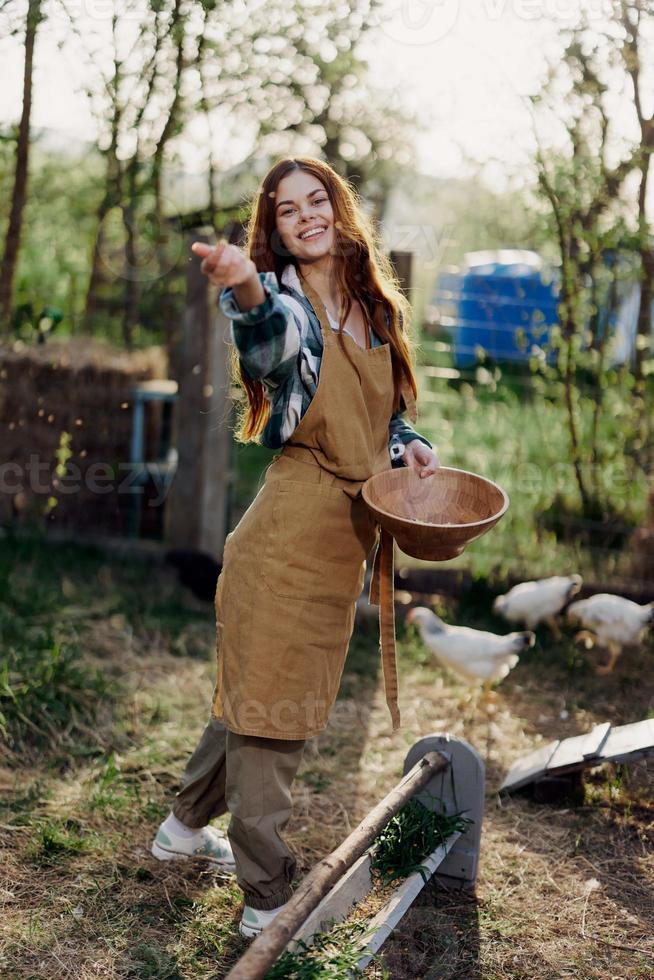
<point x="590" y="224"/>
<point x="33" y="19"/>
<point x="631" y="15"/>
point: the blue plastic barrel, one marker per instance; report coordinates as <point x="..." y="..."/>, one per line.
<point x="499" y="304"/>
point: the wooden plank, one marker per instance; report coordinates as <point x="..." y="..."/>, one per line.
<point x="530" y="766"/>
<point x="218" y="441"/>
<point x="382" y="924"/>
<point x="196" y="509"/>
<point x="569" y="752"/>
<point x="625" y="740"/>
<point x="595" y="740"/>
<point x="356" y="884"/>
<point x="602" y="744"/>
<point x="402" y="264"/>
<point x="350" y="889"/>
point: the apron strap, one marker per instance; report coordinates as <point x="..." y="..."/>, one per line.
<point x="381" y="593"/>
<point x="409" y="400"/>
<point x="320" y="311"/>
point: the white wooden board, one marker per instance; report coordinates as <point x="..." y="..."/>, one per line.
<point x="602" y="744"/>
<point x="595" y="740"/>
<point x="529" y="766"/>
<point x="629" y="739"/>
<point x="382" y="924"/>
<point x="569" y="752"/>
<point x="348" y="890"/>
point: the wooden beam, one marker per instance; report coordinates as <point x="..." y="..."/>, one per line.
<point x="273" y="940"/>
<point x="401" y="262"/>
<point x="196" y="514"/>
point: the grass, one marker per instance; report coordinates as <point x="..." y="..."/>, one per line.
<point x="506" y="429"/>
<point x="82" y="897"/>
<point x="501" y="426"/>
<point x="47" y="692"/>
<point x="332" y="955"/>
<point x="409" y="837"/>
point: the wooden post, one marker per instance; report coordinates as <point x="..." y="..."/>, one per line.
<point x="402" y="263"/>
<point x="197" y="511"/>
<point x="266" y="948"/>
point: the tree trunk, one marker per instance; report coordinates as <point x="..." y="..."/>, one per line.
<point x="12" y="241"/>
<point x="643" y="332"/>
<point x="110" y="199"/>
<point x="132" y="291"/>
<point x="178" y="33"/>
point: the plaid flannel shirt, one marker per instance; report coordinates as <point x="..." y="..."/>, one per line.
<point x="279" y="342"/>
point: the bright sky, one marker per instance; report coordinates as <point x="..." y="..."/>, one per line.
<point x="463" y="65"/>
<point x="466" y="66"/>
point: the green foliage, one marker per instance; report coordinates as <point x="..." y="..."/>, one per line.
<point x="55" y="841"/>
<point x="600" y="255"/>
<point x="58" y="233"/>
<point x="46" y="691"/>
<point x="148" y="962"/>
<point x="317" y="781"/>
<point x="511" y="425"/>
<point x="332" y="955"/>
<point x="411" y="836"/>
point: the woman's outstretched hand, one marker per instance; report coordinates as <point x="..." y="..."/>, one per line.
<point x="423" y="459"/>
<point x="224" y="264"/>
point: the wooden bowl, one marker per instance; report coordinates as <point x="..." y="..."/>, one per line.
<point x="434" y="517"/>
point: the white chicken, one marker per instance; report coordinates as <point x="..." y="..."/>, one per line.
<point x="611" y="620"/>
<point x="540" y="601"/>
<point x="473" y="655"/>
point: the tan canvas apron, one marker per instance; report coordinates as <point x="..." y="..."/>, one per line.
<point x="295" y="564"/>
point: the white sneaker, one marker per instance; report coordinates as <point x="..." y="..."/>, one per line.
<point x="254" y="921"/>
<point x="207" y="843"/>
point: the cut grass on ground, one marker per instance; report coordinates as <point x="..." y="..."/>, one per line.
<point x="562" y="891"/>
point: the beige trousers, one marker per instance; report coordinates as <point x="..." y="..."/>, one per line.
<point x="250" y="777"/>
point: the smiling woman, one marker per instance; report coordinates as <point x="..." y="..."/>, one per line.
<point x="310" y="224"/>
<point x="319" y="342"/>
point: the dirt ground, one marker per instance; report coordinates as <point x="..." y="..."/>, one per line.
<point x="563" y="890"/>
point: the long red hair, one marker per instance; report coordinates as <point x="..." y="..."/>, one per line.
<point x="361" y="268"/>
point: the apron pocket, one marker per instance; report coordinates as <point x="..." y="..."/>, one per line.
<point x="317" y="543"/>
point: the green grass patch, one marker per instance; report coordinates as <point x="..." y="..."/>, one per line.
<point x="45" y="688"/>
<point x="47" y="692"/>
<point x="332" y="955"/>
<point x="499" y="424"/>
<point x="55" y="841"/>
<point x="411" y="836"/>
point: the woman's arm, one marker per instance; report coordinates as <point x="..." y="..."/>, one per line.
<point x="416" y="451"/>
<point x="400" y="431"/>
<point x="264" y="331"/>
<point x="267" y="336"/>
<point x="228" y="265"/>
